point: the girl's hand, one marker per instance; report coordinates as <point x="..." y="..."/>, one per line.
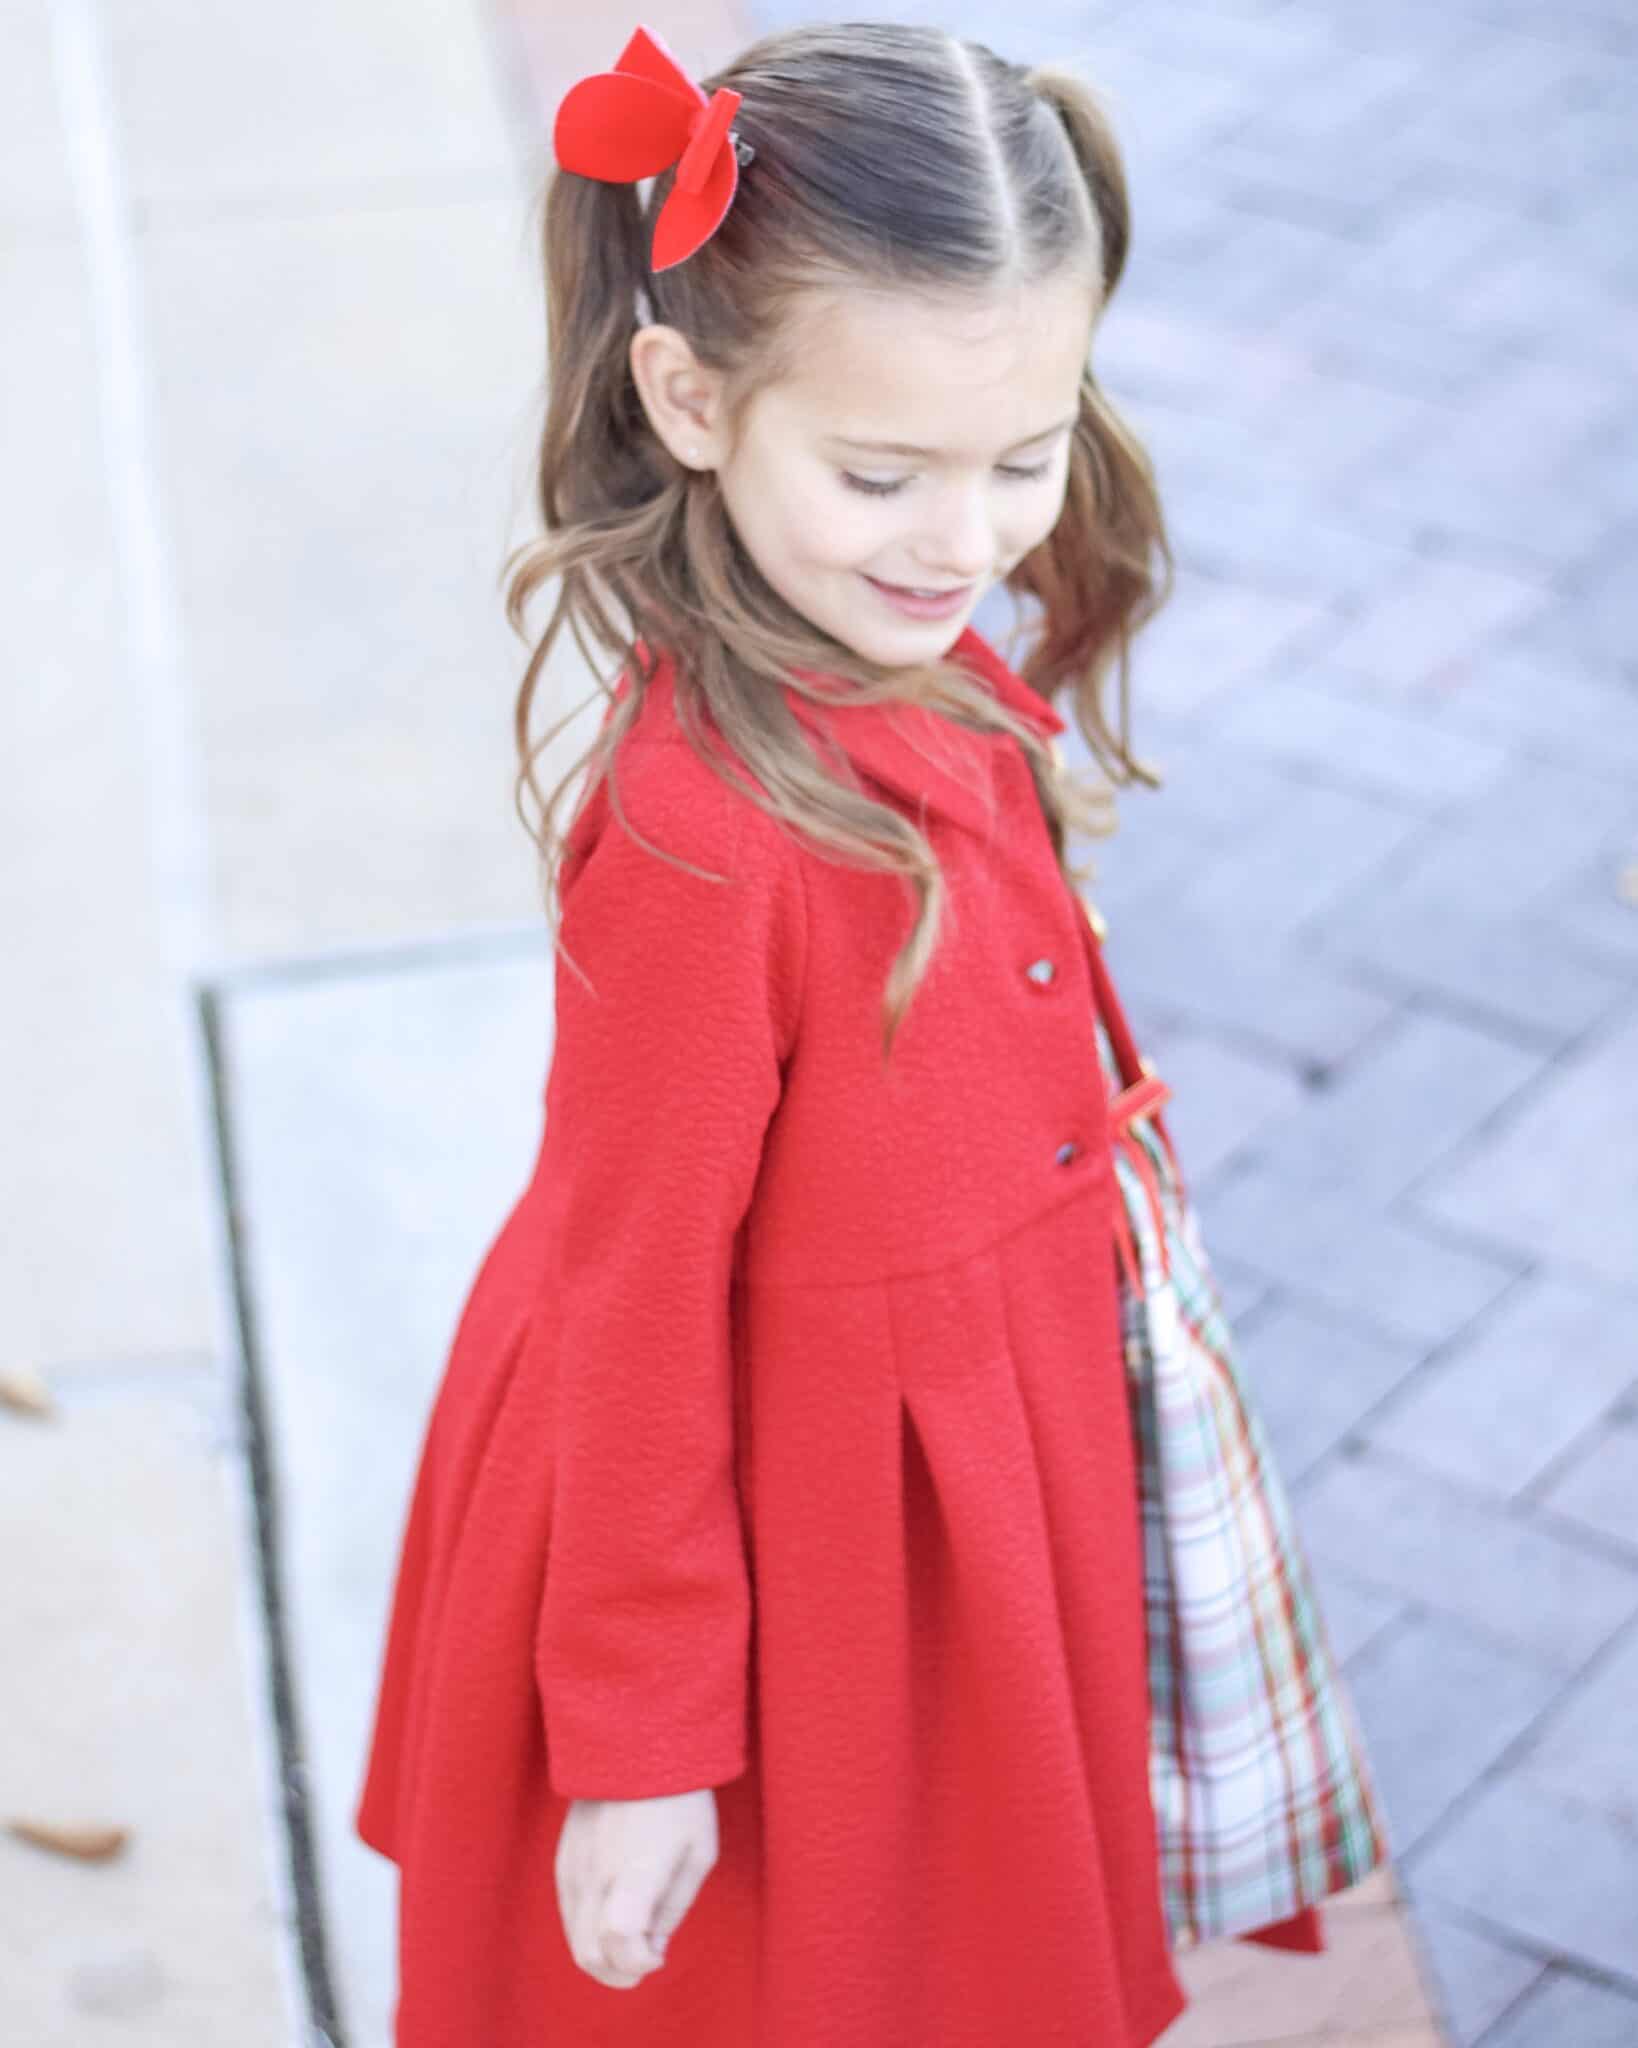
<point x="627" y="1872"/>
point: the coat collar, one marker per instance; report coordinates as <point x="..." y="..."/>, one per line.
<point x="932" y="763"/>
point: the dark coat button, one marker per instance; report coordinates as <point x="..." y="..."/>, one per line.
<point x="1066" y="1152"/>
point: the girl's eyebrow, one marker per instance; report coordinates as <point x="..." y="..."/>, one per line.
<point x="908" y="448"/>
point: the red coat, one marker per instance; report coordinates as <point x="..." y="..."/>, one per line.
<point x="783" y="1448"/>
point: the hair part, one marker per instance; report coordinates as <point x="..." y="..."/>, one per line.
<point x="1001" y="175"/>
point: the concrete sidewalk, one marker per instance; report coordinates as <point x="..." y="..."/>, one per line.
<point x="280" y="1014"/>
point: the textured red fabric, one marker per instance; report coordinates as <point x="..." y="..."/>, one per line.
<point x="783" y="1448"/>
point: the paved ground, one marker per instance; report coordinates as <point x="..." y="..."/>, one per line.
<point x="269" y="370"/>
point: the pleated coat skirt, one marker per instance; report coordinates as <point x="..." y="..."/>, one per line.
<point x="783" y="1448"/>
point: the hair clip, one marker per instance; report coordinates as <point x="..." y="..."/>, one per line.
<point x="641" y="118"/>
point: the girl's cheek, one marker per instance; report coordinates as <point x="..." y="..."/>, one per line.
<point x="803" y="511"/>
<point x="1039" y="527"/>
<point x="844" y="532"/>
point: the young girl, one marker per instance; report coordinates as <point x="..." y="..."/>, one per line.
<point x="766" y="1667"/>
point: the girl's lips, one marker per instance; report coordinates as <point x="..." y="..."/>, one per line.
<point x="907" y="601"/>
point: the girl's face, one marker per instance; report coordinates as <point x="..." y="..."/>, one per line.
<point x="918" y="450"/>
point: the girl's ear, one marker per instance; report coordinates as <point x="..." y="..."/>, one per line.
<point x="682" y="398"/>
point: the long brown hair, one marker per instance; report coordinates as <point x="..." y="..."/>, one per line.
<point x="1000" y="174"/>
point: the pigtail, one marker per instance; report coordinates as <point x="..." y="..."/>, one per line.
<point x="598" y="458"/>
<point x="598" y="455"/>
<point x="1096" y="578"/>
<point x="606" y="487"/>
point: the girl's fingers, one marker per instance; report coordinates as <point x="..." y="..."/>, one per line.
<point x="580" y="1896"/>
<point x="585" y="1937"/>
<point x="627" y="1918"/>
<point x="630" y="1955"/>
<point x="677" y="1896"/>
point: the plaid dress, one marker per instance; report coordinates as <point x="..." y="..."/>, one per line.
<point x="1263" y="1796"/>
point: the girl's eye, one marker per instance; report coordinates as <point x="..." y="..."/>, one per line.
<point x="878" y="487"/>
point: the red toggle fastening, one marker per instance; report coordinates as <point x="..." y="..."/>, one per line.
<point x="1140" y="1099"/>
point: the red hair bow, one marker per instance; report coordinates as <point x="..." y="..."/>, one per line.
<point x="642" y="117"/>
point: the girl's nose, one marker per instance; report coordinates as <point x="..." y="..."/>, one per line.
<point x="960" y="545"/>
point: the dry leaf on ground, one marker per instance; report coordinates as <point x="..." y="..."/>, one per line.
<point x="22" y="1388"/>
<point x="91" y="1845"/>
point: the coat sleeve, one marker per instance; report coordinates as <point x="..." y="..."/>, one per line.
<point x="661" y="1087"/>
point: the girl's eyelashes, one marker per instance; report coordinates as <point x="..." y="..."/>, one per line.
<point x="879" y="487"/>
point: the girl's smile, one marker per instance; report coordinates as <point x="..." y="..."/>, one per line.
<point x="924" y="604"/>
